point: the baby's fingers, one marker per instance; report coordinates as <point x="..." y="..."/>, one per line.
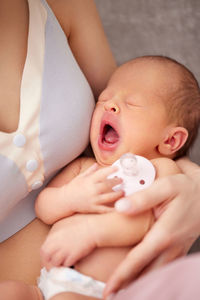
<point x="101" y="209"/>
<point x="108" y="184"/>
<point x="103" y="173"/>
<point x="110" y="197"/>
<point x="46" y="256"/>
<point x="90" y="170"/>
<point x="58" y="258"/>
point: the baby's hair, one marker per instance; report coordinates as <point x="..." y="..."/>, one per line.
<point x="183" y="106"/>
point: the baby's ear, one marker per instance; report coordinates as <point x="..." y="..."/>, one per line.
<point x="174" y="139"/>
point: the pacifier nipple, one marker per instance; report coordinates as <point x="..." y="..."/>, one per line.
<point x="128" y="162"/>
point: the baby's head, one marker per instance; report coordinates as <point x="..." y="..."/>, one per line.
<point x="150" y="107"/>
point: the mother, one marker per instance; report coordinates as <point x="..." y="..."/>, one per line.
<point x="51" y="52"/>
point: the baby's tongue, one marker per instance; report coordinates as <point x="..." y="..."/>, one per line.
<point x="111" y="136"/>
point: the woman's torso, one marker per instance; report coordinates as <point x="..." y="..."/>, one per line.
<point x="49" y="103"/>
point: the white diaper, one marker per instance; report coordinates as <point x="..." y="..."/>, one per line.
<point x="64" y="279"/>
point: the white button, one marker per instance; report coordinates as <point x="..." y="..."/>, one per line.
<point x="19" y="140"/>
<point x="37" y="184"/>
<point x="32" y="165"/>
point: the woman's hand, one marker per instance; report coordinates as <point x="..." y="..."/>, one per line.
<point x="176" y="228"/>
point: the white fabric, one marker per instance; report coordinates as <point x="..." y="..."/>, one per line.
<point x="63" y="279"/>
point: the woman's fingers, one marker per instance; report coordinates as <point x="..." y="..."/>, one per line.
<point x="174" y="231"/>
<point x="161" y="190"/>
<point x="165" y="257"/>
<point x="136" y="260"/>
<point x="187" y="166"/>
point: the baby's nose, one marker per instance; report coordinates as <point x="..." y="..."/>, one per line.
<point x="111" y="107"/>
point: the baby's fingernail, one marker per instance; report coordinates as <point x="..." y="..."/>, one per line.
<point x="122" y="205"/>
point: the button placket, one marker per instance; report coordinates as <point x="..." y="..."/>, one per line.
<point x="37" y="180"/>
<point x="36" y="185"/>
<point x="32" y="165"/>
<point x="19" y="140"/>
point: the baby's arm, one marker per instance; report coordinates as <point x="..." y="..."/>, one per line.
<point x="52" y="199"/>
<point x="77" y="189"/>
<point x="115" y="230"/>
<point x="77" y="236"/>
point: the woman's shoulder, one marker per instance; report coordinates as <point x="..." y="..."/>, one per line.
<point x="81" y="24"/>
<point x="69" y="12"/>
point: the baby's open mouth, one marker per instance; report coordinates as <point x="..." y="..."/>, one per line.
<point x="109" y="135"/>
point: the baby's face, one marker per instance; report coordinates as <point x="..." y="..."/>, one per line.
<point x="130" y="115"/>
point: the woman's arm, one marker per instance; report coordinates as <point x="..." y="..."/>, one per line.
<point x="82" y="26"/>
<point x="73" y="238"/>
<point x="116" y="230"/>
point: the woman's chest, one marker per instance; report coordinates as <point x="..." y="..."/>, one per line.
<point x="55" y="109"/>
<point x="13" y="43"/>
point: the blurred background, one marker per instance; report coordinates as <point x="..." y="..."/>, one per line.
<point x="159" y="27"/>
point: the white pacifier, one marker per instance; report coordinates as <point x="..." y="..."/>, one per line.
<point x="136" y="171"/>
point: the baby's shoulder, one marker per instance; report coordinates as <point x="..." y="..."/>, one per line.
<point x="165" y="166"/>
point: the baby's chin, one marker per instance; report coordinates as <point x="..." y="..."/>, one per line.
<point x="107" y="159"/>
<point x="105" y="162"/>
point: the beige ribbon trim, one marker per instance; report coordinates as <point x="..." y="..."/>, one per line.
<point x="30" y="99"/>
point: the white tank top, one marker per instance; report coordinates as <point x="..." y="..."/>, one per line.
<point x="56" y="105"/>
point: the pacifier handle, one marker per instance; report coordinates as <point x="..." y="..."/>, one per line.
<point x="129" y="165"/>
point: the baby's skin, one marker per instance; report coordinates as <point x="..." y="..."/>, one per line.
<point x="91" y="241"/>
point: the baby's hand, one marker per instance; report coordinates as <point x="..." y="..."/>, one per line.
<point x="68" y="241"/>
<point x="91" y="191"/>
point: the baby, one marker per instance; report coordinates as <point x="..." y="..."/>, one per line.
<point x="150" y="107"/>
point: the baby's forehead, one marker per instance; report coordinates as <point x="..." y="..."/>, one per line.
<point x="145" y="72"/>
<point x="144" y="66"/>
